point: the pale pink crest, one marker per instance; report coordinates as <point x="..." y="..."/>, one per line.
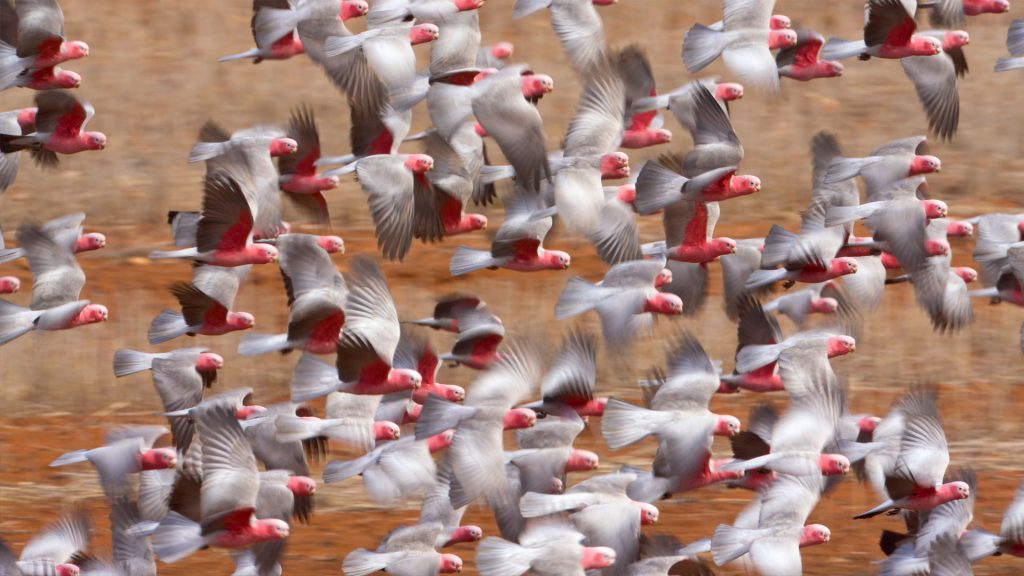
<point x="841" y="345"/>
<point x="582" y="461"/>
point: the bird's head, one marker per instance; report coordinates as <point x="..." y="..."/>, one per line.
<point x="241" y="320"/>
<point x="93" y="313"/>
<point x="833" y="69"/>
<point x="209" y="362"/>
<point x="419" y="163"/>
<point x="722" y="246"/>
<point x="159" y="459"/>
<point x="90" y="241"/>
<point x="744" y="185"/>
<point x="386" y="431"/>
<point x="67" y="570"/>
<point x="502" y="50"/>
<point x="833" y="464"/>
<point x="536" y="85"/>
<point x="959" y="229"/>
<point x="302" y="485"/>
<point x="597" y="557"/>
<point x="824" y="305"/>
<point x="780" y="22"/>
<point x="354" y="9"/>
<point x="271" y="529"/>
<point x="727" y="425"/>
<point x="840" y="345"/>
<point x="935" y="247"/>
<point x="815" y="534"/>
<point x="843" y="266"/>
<point x="966" y="273"/>
<point x="556" y="259"/>
<point x="518" y="418"/>
<point x="626" y="194"/>
<point x="955" y="39"/>
<point x="95" y="140"/>
<point x="582" y="461"/>
<point x="76" y="49"/>
<point x="283" y="147"/>
<point x="9" y="284"/>
<point x="729" y="91"/>
<point x="262" y="253"/>
<point x="331" y="244"/>
<point x="449" y="564"/>
<point x="664" y="277"/>
<point x="68" y="79"/>
<point x="648" y="513"/>
<point x="935" y="209"/>
<point x="440" y="441"/>
<point x="423" y="33"/>
<point x="249" y="411"/>
<point x="404" y="378"/>
<point x="779" y="39"/>
<point x="614" y="165"/>
<point x="867" y="424"/>
<point x="664" y="303"/>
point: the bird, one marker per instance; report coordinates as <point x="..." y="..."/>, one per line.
<point x="60" y="121"/>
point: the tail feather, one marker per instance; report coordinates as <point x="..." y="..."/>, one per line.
<point x="9" y="254"/>
<point x="240" y="56"/>
<point x="761" y="278"/>
<point x="73" y="457"/>
<point x="657" y="188"/>
<point x="256" y="344"/>
<point x="206" y="150"/>
<point x="691" y="550"/>
<point x="439" y="415"/>
<point x="730" y="542"/>
<point x="701" y="47"/>
<point x="579" y="296"/>
<point x="1005" y="64"/>
<point x="338" y="470"/>
<point x="490" y="174"/>
<point x="499" y="557"/>
<point x="361" y="562"/>
<point x="535" y="504"/>
<point x="624" y="424"/>
<point x="313" y="378"/>
<point x="776" y="246"/>
<point x="978" y="543"/>
<point x="127" y="361"/>
<point x="466" y="260"/>
<point x="838" y="215"/>
<point x="15" y="321"/>
<point x="177" y="537"/>
<point x="165" y="254"/>
<point x="883" y="507"/>
<point x="992" y="292"/>
<point x="843" y="168"/>
<point x="839" y="49"/>
<point x="168" y="325"/>
<point x="338" y="45"/>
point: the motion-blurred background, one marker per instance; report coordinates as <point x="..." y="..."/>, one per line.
<point x="153" y="77"/>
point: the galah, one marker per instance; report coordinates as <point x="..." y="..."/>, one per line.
<point x="131" y="552"/>
<point x="60" y="123"/>
<point x="812" y="346"/>
<point x="578" y="27"/>
<point x="909" y="470"/>
<point x="316" y="295"/>
<point x="980" y="543"/>
<point x="626" y="306"/>
<point x="660" y="554"/>
<point x="495" y="56"/>
<point x="33" y="44"/>
<point x="1015" y="46"/>
<point x="393" y="471"/>
<point x="21" y="122"/>
<point x="774" y="543"/>
<point x="54" y="549"/>
<point x="349" y="420"/>
<point x="1009" y="285"/>
<point x="480" y="334"/>
<point x="206" y="306"/>
<point x="806" y="257"/>
<point x="546" y="455"/>
<point x="678" y="416"/>
<point x="476" y="453"/>
<point x="591" y="139"/>
<point x="415" y="352"/>
<point x="926" y="533"/>
<point x="571" y="379"/>
<point x="260" y="425"/>
<point x="644" y="127"/>
<point x="455" y="49"/>
<point x="393" y="12"/>
<point x="179" y="376"/>
<point x="886" y="166"/>
<point x="283" y="48"/>
<point x="437" y="506"/>
<point x="368" y="343"/>
<point x="736" y="269"/>
<point x="407" y="550"/>
<point x="546" y="548"/>
<point x="230" y="485"/>
<point x="942" y="289"/>
<point x="889" y="32"/>
<point x="299" y="179"/>
<point x="449" y="192"/>
<point x="691" y="223"/>
<point x="517" y="245"/>
<point x="936" y="80"/>
<point x="500" y="107"/>
<point x="224" y="233"/>
<point x="952" y="13"/>
<point x="802" y="61"/>
<point x="800" y="437"/>
<point x="127" y="450"/>
<point x="63" y="230"/>
<point x="281" y="496"/>
<point x="448" y="310"/>
<point x="683" y="101"/>
<point x="715" y="143"/>
<point x="594" y="491"/>
<point x="756" y="328"/>
<point x="57" y="282"/>
<point x="401" y="202"/>
<point x="744" y="43"/>
<point x="824" y="298"/>
<point x="660" y="185"/>
<point x="383" y="80"/>
<point x="248" y="157"/>
<point x="996" y="232"/>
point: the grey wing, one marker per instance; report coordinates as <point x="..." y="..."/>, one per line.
<point x="947" y="14"/>
<point x="946" y="558"/>
<point x="512" y="380"/>
<point x="370" y="312"/>
<point x="230" y="479"/>
<point x="578" y="27"/>
<point x="935" y="80"/>
<point x="57" y="277"/>
<point x="456" y="47"/>
<point x="220" y="283"/>
<point x="180" y="387"/>
<point x="1012" y="527"/>
<point x="779" y="556"/>
<point x="130" y="552"/>
<point x="418" y="537"/>
<point x="517" y="127"/>
<point x="736" y="269"/>
<point x="40" y="21"/>
<point x="573" y="372"/>
<point x="902" y="146"/>
<point x="746" y="14"/>
<point x="59" y="541"/>
<point x="615" y="525"/>
<point x="552" y="432"/>
<point x="689" y="282"/>
<point x="305" y="266"/>
<point x="226" y="211"/>
<point x="391" y="197"/>
<point x="924" y="453"/>
<point x="1015" y="38"/>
